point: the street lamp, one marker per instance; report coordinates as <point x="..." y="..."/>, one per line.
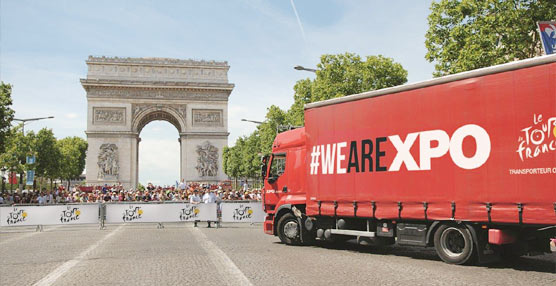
<point x="23" y="132"/>
<point x="300" y="68"/>
<point x="254" y="121"/>
<point x="30" y="119"/>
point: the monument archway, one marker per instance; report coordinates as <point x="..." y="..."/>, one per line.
<point x="125" y="94"/>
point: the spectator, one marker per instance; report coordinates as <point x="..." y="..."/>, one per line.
<point x="209" y="198"/>
<point x="195" y="199"/>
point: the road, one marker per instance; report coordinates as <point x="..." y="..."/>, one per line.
<point x="236" y="254"/>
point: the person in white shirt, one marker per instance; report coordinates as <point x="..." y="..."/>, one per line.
<point x="182" y="186"/>
<point x="40" y="200"/>
<point x="209" y="198"/>
<point x="195" y="199"/>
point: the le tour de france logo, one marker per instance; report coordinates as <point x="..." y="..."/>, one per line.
<point x="538" y="138"/>
<point x="16" y="216"/>
<point x="189" y="212"/>
<point x="70" y="214"/>
<point x="242" y="213"/>
<point x="132" y="213"/>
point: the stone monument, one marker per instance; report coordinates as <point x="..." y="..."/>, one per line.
<point x="125" y="94"/>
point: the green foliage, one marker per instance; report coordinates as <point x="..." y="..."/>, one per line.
<point x="345" y="74"/>
<point x="251" y="156"/>
<point x="233" y="159"/>
<point x="470" y="34"/>
<point x="18" y="147"/>
<point x="73" y="151"/>
<point x="243" y="160"/>
<point x="6" y="114"/>
<point x="267" y="130"/>
<point x="48" y="154"/>
<point x="303" y="95"/>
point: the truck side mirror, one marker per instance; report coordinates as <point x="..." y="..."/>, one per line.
<point x="263" y="171"/>
<point x="271" y="180"/>
<point x="264" y="166"/>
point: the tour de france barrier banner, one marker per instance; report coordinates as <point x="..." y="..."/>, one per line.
<point x="48" y="215"/>
<point x="175" y="212"/>
<point x="242" y="212"/>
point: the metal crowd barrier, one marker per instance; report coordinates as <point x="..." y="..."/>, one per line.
<point x="129" y="212"/>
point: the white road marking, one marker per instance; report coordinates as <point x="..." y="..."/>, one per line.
<point x="62" y="269"/>
<point x="28" y="234"/>
<point x="224" y="265"/>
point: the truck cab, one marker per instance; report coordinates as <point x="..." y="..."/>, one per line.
<point x="284" y="176"/>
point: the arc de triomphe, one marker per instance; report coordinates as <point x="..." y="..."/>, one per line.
<point x="125" y="94"/>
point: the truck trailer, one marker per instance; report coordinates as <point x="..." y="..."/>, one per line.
<point x="464" y="163"/>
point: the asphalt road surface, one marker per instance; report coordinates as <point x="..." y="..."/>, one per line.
<point x="236" y="254"/>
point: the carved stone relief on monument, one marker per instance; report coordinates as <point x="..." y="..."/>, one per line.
<point x="109" y="115"/>
<point x="207" y="160"/>
<point x="158" y="68"/>
<point x="108" y="167"/>
<point x="207" y="117"/>
<point x="158" y="73"/>
<point x="162" y="94"/>
<point x="179" y="109"/>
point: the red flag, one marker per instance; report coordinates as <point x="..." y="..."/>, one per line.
<point x="13" y="178"/>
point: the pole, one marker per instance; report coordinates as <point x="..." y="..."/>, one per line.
<point x="22" y="184"/>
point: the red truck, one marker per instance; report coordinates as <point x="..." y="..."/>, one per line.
<point x="465" y="163"/>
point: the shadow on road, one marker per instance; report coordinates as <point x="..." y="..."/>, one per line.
<point x="543" y="263"/>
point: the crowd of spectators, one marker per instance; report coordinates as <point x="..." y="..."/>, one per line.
<point x="117" y="193"/>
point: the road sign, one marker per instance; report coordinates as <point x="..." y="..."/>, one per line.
<point x="30" y="177"/>
<point x="31" y="159"/>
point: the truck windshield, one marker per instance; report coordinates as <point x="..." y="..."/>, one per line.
<point x="278" y="165"/>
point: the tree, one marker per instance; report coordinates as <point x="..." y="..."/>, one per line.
<point x="48" y="155"/>
<point x="303" y="95"/>
<point x="6" y="114"/>
<point x="251" y="155"/>
<point x="225" y="156"/>
<point x="17" y="148"/>
<point x="268" y="129"/>
<point x="470" y="34"/>
<point x="233" y="161"/>
<point x="73" y="152"/>
<point x="345" y="74"/>
<point x="11" y="157"/>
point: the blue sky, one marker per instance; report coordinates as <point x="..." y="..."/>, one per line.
<point x="44" y="45"/>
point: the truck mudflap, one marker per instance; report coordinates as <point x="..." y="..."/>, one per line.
<point x="268" y="225"/>
<point x="485" y="253"/>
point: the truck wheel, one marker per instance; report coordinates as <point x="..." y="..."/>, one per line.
<point x="288" y="229"/>
<point x="454" y="244"/>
